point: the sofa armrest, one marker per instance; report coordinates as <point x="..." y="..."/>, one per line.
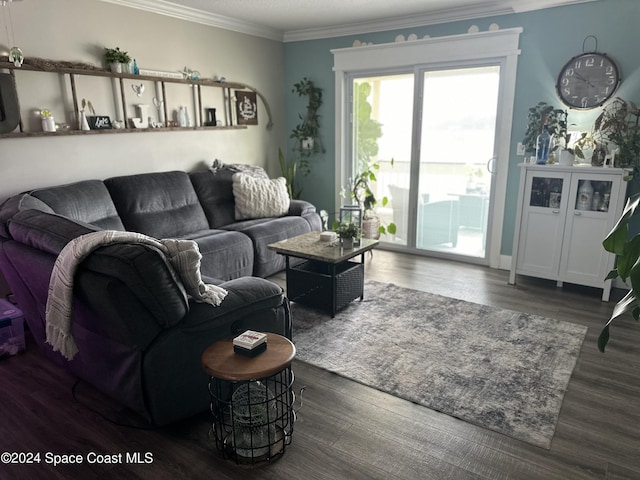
<point x="44" y="231"/>
<point x="300" y="208"/>
<point x="252" y="303"/>
<point x="16" y="204"/>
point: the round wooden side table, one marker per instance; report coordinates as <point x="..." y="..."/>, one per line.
<point x="251" y="399"/>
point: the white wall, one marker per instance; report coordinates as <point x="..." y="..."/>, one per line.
<point x="78" y="30"/>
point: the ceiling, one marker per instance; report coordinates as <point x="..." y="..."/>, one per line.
<point x="291" y="20"/>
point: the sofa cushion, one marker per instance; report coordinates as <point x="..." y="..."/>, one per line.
<point x="215" y="191"/>
<point x="266" y="261"/>
<point x="259" y="197"/>
<point x="87" y="201"/>
<point x="161" y="205"/>
<point x="225" y="255"/>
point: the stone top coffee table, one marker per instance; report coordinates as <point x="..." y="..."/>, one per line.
<point x="327" y="278"/>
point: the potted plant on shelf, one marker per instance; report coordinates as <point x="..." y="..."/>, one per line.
<point x="115" y="58"/>
<point x="540" y="115"/>
<point x="619" y="125"/>
<point x="348" y="233"/>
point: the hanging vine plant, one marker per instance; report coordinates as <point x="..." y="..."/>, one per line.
<point x="307" y="133"/>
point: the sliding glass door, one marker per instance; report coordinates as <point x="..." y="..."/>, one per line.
<point x="457" y="135"/>
<point x="439" y="127"/>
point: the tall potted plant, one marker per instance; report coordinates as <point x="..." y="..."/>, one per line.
<point x="627" y="249"/>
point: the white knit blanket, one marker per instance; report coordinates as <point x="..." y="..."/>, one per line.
<point x="181" y="255"/>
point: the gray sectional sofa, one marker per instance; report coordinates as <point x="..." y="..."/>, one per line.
<point x="140" y="337"/>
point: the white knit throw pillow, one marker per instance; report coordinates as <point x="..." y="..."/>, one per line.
<point x="259" y="197"/>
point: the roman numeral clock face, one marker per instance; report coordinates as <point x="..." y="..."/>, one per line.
<point x="588" y="80"/>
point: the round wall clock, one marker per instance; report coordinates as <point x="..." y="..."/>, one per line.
<point x="588" y="80"/>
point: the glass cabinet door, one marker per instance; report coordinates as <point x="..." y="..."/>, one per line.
<point x="546" y="192"/>
<point x="593" y="195"/>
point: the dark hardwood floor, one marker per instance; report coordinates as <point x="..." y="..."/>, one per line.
<point x="346" y="430"/>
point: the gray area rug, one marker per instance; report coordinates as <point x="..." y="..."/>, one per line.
<point x="499" y="369"/>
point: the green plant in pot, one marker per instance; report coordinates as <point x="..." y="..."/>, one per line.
<point x="362" y="194"/>
<point x="306" y="135"/>
<point x="619" y="125"/>
<point x="627" y="249"/>
<point x="543" y="114"/>
<point x="290" y="173"/>
<point x="564" y="147"/>
<point x="348" y="233"/>
<point x="115" y="58"/>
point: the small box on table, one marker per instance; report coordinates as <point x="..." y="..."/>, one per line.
<point x="11" y="329"/>
<point x="250" y="343"/>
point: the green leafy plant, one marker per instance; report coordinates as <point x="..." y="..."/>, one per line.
<point x="538" y="116"/>
<point x="289" y="172"/>
<point x="348" y="230"/>
<point x="307" y="132"/>
<point x="115" y="55"/>
<point x="627" y="266"/>
<point x="619" y="124"/>
<point x="362" y="194"/>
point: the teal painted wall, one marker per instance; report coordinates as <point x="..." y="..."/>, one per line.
<point x="550" y="38"/>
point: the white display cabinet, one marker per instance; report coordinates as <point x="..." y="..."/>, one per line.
<point x="564" y="214"/>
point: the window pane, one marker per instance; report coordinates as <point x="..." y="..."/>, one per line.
<point x="382" y="128"/>
<point x="457" y="142"/>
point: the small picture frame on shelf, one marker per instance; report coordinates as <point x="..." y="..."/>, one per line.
<point x="99" y="122"/>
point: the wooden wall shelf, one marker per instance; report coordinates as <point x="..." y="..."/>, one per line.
<point x="72" y="73"/>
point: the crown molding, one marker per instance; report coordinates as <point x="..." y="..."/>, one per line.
<point x="163" y="7"/>
<point x="411" y="21"/>
<point x="487" y="9"/>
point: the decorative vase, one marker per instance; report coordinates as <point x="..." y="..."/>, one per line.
<point x="116" y="67"/>
<point x="48" y="124"/>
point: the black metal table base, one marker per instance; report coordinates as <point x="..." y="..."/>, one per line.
<point x="323" y="285"/>
<point x="253" y="420"/>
